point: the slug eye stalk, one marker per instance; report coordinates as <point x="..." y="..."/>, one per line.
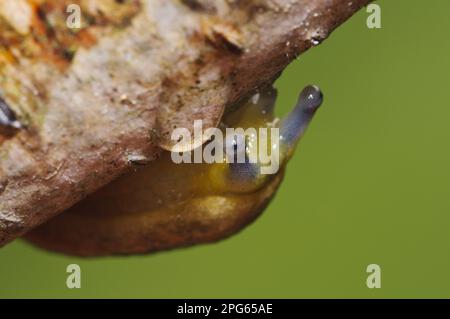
<point x="294" y="125"/>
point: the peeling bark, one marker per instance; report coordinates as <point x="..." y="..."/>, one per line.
<point x="90" y="102"/>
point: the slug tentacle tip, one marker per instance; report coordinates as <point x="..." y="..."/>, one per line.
<point x="295" y="123"/>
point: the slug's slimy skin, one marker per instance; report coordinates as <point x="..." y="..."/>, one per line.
<point x="166" y="205"/>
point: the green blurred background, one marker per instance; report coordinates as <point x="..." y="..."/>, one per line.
<point x="369" y="184"/>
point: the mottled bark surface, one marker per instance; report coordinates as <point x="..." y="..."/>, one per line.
<point x="95" y="100"/>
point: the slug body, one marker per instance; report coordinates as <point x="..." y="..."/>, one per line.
<point x="165" y="205"/>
